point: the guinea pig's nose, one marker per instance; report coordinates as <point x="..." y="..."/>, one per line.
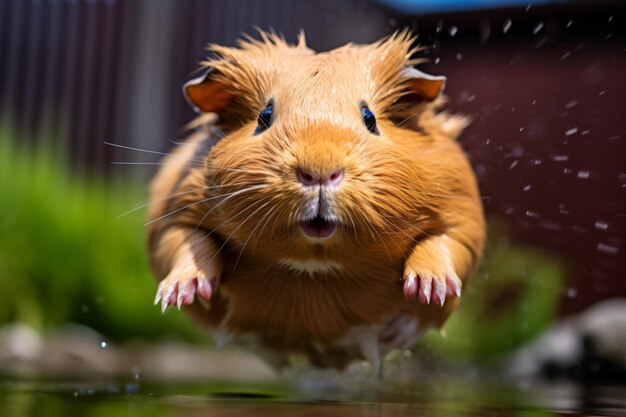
<point x="309" y="179"/>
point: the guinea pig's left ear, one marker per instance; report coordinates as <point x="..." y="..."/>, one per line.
<point x="426" y="86"/>
<point x="206" y="95"/>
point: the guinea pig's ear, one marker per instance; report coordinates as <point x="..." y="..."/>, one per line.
<point x="206" y="95"/>
<point x="425" y="86"/>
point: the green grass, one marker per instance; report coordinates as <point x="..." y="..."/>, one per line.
<point x="65" y="256"/>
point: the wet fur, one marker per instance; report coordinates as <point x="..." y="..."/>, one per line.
<point x="406" y="193"/>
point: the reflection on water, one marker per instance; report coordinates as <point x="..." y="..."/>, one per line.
<point x="438" y="397"/>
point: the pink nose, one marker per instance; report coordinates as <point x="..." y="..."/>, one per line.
<point x="310" y="179"/>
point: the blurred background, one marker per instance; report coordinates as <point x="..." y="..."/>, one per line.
<point x="543" y="82"/>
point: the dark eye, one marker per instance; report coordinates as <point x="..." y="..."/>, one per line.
<point x="369" y="120"/>
<point x="265" y="119"/>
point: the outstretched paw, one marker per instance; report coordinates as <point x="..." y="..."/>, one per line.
<point x="428" y="286"/>
<point x="178" y="289"/>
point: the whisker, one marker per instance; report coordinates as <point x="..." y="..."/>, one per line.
<point x="412" y="226"/>
<point x="410" y="117"/>
<point x="136" y="163"/>
<point x="165" y="198"/>
<point x="131" y="148"/>
<point x="205" y="200"/>
<point x="228" y="219"/>
<point x="237" y="228"/>
<point x="252" y="234"/>
<point x="220" y="203"/>
<point x="384" y="245"/>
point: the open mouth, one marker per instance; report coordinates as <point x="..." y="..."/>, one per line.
<point x="318" y="227"/>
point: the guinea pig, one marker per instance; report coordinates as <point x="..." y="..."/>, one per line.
<point x="323" y="207"/>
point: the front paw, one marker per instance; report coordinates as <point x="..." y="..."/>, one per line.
<point x="429" y="274"/>
<point x="183" y="284"/>
<point x="430" y="286"/>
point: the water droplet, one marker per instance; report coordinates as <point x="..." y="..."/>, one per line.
<point x="570" y="132"/>
<point x="610" y="18"/>
<point x="583" y="175"/>
<point x="459" y="57"/>
<point x="532" y="214"/>
<point x="528" y="7"/>
<point x="507" y="25"/>
<point x="537" y="161"/>
<point x="437" y="60"/>
<point x="608" y="249"/>
<point x="571" y="104"/>
<point x="527" y="187"/>
<point x="103" y="344"/>
<point x="513" y="165"/>
<point x="521" y="129"/>
<point x="439" y="26"/>
<point x="538" y="28"/>
<point x="560" y="158"/>
<point x="453" y="30"/>
<point x="601" y="93"/>
<point x="566" y="54"/>
<point x="135" y="371"/>
<point x="572" y="293"/>
<point x="601" y="225"/>
<point x="569" y="24"/>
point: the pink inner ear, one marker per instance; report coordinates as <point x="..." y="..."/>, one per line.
<point x="428" y="89"/>
<point x="424" y="85"/>
<point x="209" y="97"/>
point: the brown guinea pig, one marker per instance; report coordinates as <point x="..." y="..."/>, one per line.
<point x="326" y="209"/>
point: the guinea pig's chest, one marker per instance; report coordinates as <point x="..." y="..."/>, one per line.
<point x="288" y="307"/>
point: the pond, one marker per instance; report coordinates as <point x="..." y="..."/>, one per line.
<point x="305" y="396"/>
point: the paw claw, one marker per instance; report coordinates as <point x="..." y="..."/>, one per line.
<point x="434" y="289"/>
<point x="186" y="293"/>
<point x="425" y="290"/>
<point x="439" y="290"/>
<point x="410" y="287"/>
<point x="454" y="285"/>
<point x="183" y="291"/>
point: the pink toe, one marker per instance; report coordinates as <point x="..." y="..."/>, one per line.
<point x="425" y="290"/>
<point x="187" y="293"/>
<point x="171" y="296"/>
<point x="205" y="288"/>
<point x="454" y="285"/>
<point x="410" y="287"/>
<point x="439" y="289"/>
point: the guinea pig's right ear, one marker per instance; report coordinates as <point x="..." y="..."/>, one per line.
<point x="425" y="86"/>
<point x="206" y="95"/>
